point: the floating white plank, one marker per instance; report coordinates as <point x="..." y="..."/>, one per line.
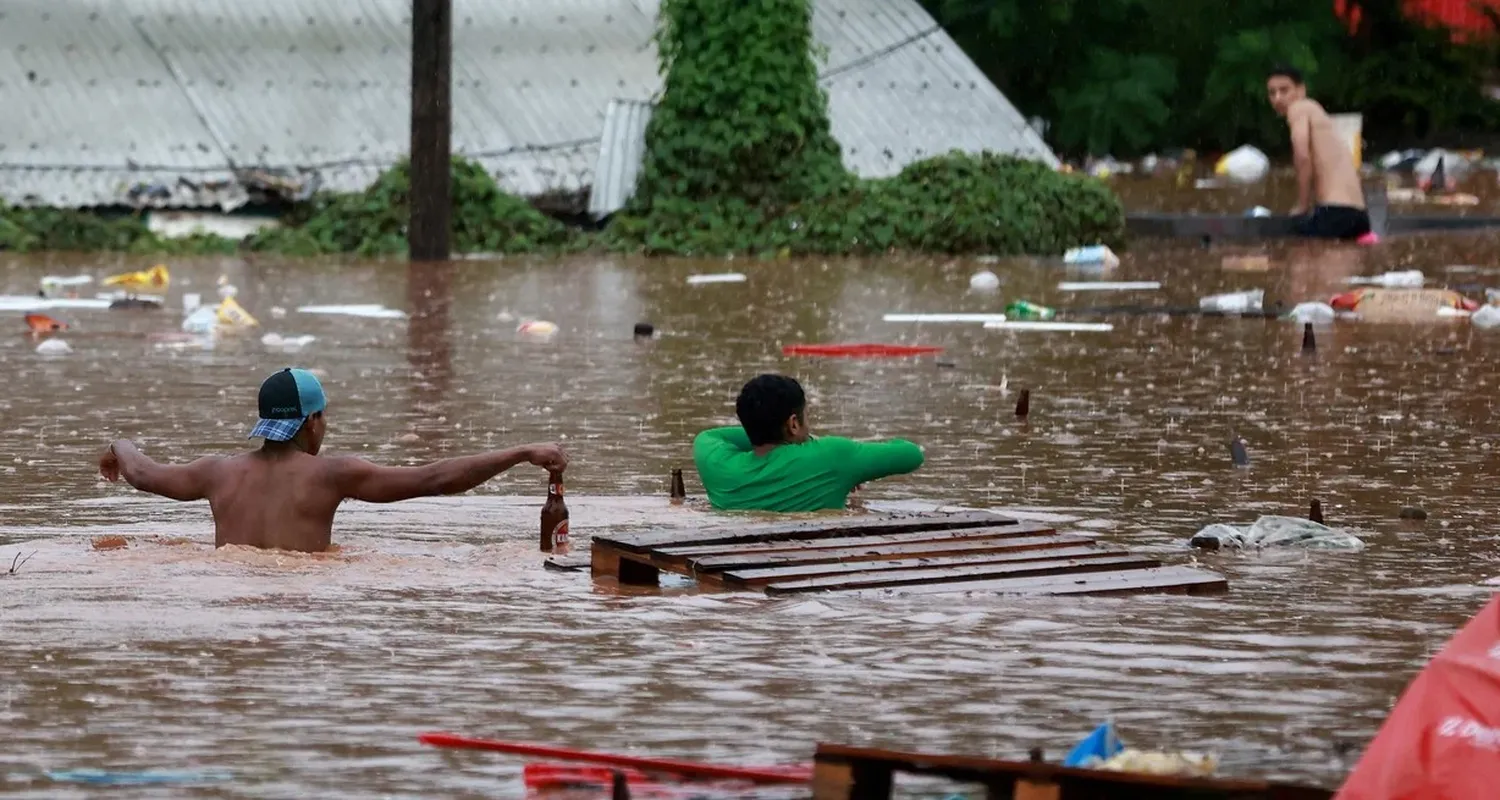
<point x="1109" y="286"/>
<point x="370" y="310"/>
<point x="720" y="277"/>
<point x="1049" y="326"/>
<point x="944" y="317"/>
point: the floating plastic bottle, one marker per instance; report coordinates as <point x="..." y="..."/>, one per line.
<point x="1410" y="279"/>
<point x="1025" y="309"/>
<point x="1248" y="300"/>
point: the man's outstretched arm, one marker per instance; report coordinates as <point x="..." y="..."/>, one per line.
<point x="361" y="480"/>
<point x="189" y="481"/>
<point x="870" y="461"/>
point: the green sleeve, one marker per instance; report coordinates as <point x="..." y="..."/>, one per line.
<point x="718" y="441"/>
<point x="869" y="461"/>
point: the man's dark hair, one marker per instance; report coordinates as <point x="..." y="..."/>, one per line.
<point x="1285" y="71"/>
<point x="765" y="404"/>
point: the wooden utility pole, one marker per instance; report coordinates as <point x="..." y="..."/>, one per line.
<point x="429" y="230"/>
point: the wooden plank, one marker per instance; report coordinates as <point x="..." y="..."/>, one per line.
<point x="607" y="561"/>
<point x="882" y="552"/>
<point x="1106" y="783"/>
<point x="968" y="574"/>
<point x="992" y="532"/>
<point x="811" y="529"/>
<point x="1034" y="790"/>
<point x="833" y="781"/>
<point x="760" y="577"/>
<point x="1162" y="579"/>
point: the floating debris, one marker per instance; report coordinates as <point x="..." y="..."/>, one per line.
<point x="1238" y="452"/>
<point x="1049" y="326"/>
<point x="1275" y="531"/>
<point x="944" y="317"/>
<point x="1109" y="286"/>
<point x="368" y="310"/>
<point x="54" y="347"/>
<point x="984" y="281"/>
<point x="720" y="277"/>
<point x="1097" y="254"/>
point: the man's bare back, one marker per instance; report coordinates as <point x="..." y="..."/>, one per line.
<point x="1335" y="180"/>
<point x="285" y="495"/>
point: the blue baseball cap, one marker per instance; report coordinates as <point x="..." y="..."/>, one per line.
<point x="287" y="399"/>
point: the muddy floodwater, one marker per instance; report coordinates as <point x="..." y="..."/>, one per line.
<point x="312" y="676"/>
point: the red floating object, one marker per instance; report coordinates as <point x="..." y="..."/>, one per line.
<point x="41" y="323"/>
<point x="859" y="350"/>
<point x="1441" y="739"/>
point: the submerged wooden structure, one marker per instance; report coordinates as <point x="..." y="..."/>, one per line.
<point x="904" y="553"/>
<point x="856" y="773"/>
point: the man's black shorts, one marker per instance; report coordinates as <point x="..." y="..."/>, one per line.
<point x="1335" y="222"/>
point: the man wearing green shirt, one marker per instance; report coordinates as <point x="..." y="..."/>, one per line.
<point x="772" y="463"/>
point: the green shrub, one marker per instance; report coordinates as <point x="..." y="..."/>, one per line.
<point x="374" y="222"/>
<point x="24" y="229"/>
<point x="740" y="159"/>
<point x="741" y="114"/>
<point x="957" y="203"/>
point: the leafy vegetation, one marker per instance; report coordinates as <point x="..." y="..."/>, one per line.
<point x="1129" y="76"/>
<point x="25" y="229"/>
<point x="373" y="222"/>
<point x="740" y="159"/>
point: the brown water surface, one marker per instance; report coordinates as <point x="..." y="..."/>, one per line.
<point x="312" y="675"/>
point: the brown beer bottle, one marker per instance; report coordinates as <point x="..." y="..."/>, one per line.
<point x="679" y="492"/>
<point x="555" y="517"/>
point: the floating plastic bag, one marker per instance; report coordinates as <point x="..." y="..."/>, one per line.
<point x="157" y="278"/>
<point x="1198" y="765"/>
<point x="984" y="281"/>
<point x="1486" y="317"/>
<point x="1101" y="745"/>
<point x="1276" y="531"/>
<point x="1244" y="164"/>
<point x="202" y="320"/>
<point x="232" y="314"/>
<point x="1316" y="313"/>
<point x="54" y="347"/>
<point x="1095" y="255"/>
<point x="60" y="286"/>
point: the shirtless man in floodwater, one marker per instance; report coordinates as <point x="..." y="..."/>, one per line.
<point x="284" y="495"/>
<point x="1322" y="159"/>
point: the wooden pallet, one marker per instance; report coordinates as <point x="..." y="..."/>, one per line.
<point x="910" y="553"/>
<point x="855" y="773"/>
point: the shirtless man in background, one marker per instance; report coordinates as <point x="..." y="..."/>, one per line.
<point x="1322" y="159"/>
<point x="284" y="495"/>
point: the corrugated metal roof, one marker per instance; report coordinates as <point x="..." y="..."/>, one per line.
<point x="621" y="151"/>
<point x="900" y="90"/>
<point x="84" y="98"/>
<point x="103" y="95"/>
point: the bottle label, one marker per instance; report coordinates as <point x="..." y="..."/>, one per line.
<point x="560" y="531"/>
<point x="555" y="488"/>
